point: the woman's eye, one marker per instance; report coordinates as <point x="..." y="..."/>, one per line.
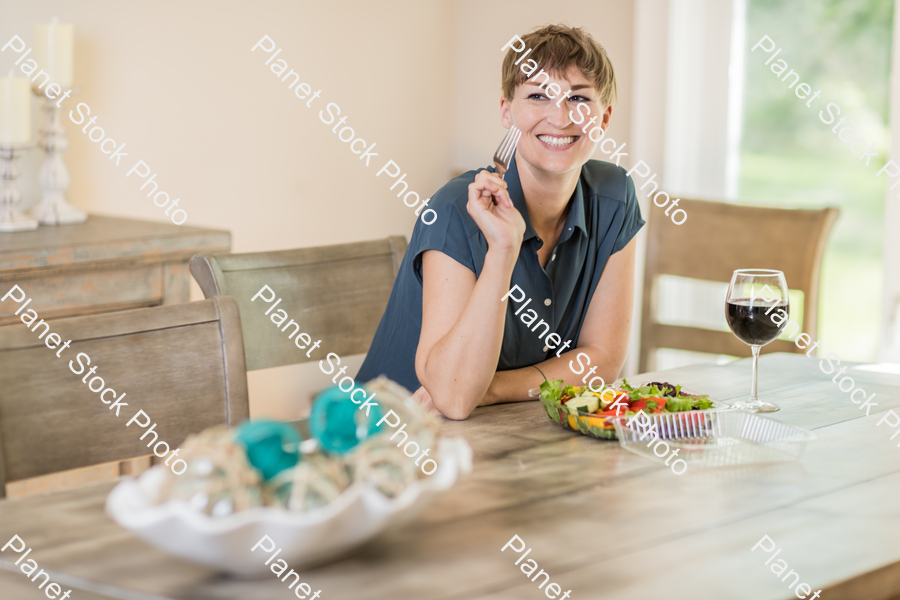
<point x="537" y="96"/>
<point x="579" y="99"/>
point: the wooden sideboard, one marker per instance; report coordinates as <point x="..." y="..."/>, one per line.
<point x="103" y="265"/>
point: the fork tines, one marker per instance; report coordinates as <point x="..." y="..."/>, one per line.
<point x="505" y="151"/>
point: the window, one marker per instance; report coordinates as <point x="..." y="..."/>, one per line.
<point x="789" y="157"/>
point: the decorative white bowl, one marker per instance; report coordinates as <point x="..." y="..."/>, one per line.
<point x="306" y="538"/>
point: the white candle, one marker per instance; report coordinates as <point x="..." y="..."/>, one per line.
<point x="15" y="110"/>
<point x="53" y="51"/>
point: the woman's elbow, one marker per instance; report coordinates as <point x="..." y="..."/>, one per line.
<point x="455" y="413"/>
<point x="453" y="405"/>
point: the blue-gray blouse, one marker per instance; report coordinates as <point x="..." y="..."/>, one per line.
<point x="603" y="217"/>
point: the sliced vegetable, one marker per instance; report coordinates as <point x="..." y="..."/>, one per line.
<point x="657" y="404"/>
<point x="611" y="413"/>
<point x="606" y="399"/>
<point x="569" y="392"/>
<point x="556" y="390"/>
<point x="588" y="403"/>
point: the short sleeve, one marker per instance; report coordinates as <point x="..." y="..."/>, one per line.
<point x="633" y="221"/>
<point x="447" y="234"/>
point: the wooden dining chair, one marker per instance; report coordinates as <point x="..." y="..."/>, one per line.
<point x="334" y="293"/>
<point x="182" y="364"/>
<point x="717" y="239"/>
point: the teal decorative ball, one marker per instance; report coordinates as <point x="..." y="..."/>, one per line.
<point x="271" y="447"/>
<point x="337" y="422"/>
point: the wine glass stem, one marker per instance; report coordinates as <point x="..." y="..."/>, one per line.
<point x="753" y="395"/>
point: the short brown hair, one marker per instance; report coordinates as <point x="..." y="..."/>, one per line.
<point x="555" y="48"/>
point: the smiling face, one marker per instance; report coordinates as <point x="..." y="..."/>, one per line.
<point x="551" y="143"/>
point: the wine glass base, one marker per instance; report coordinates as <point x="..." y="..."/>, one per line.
<point x="755" y="406"/>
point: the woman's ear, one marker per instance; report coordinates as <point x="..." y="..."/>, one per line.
<point x="505" y="106"/>
<point x="607" y="115"/>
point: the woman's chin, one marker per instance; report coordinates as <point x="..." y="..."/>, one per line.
<point x="559" y="165"/>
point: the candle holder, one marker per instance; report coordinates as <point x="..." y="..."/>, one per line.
<point x="53" y="209"/>
<point x="11" y="219"/>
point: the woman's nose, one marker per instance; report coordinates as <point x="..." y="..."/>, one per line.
<point x="559" y="115"/>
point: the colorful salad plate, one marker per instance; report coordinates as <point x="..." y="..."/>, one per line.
<point x="593" y="413"/>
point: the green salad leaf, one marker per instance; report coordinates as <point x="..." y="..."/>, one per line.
<point x="678" y="404"/>
<point x="554" y="390"/>
<point x="676" y="400"/>
<point x="702" y="403"/>
<point x="551" y="390"/>
<point x="647" y="391"/>
<point x="568" y="393"/>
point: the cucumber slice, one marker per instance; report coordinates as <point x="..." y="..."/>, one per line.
<point x="583" y="404"/>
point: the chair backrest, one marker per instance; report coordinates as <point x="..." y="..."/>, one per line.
<point x="716" y="239"/>
<point x="182" y="364"/>
<point x="336" y="294"/>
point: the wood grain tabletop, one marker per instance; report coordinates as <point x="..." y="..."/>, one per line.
<point x="602" y="521"/>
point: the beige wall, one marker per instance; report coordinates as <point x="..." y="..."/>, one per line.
<point x="177" y="82"/>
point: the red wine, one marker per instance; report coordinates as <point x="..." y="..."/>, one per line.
<point x="751" y="324"/>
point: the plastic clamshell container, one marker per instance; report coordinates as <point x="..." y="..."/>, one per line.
<point x="714" y="438"/>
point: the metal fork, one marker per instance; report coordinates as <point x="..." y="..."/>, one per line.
<point x="505" y="151"/>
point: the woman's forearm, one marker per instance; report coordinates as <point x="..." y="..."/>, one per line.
<point x="513" y="385"/>
<point x="459" y="368"/>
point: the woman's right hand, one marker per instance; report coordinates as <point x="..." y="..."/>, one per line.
<point x="500" y="222"/>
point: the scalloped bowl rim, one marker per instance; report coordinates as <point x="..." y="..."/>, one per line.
<point x="128" y="506"/>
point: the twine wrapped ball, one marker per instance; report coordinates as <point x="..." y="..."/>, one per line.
<point x="260" y="463"/>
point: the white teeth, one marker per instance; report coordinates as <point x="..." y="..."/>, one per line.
<point x="556" y="141"/>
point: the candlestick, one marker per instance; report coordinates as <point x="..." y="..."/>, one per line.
<point x="53" y="50"/>
<point x="53" y="177"/>
<point x="15" y="110"/>
<point x="10" y="217"/>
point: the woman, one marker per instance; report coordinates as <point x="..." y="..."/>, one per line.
<point x="560" y="226"/>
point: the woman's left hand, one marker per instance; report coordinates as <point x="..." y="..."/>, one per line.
<point x="424" y="399"/>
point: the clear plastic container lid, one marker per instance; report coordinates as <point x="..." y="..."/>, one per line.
<point x="718" y="437"/>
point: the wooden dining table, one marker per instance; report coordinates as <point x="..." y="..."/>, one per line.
<point x="602" y="521"/>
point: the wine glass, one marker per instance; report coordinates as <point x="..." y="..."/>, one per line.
<point x="755" y="297"/>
